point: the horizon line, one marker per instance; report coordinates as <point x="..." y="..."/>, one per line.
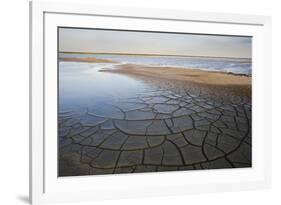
<point x="146" y="54"/>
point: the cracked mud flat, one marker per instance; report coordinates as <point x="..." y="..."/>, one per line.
<point x="164" y="126"/>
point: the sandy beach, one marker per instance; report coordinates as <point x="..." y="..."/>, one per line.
<point x="241" y="84"/>
<point x="183" y="74"/>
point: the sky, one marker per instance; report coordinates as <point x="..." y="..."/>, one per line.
<point x="136" y="42"/>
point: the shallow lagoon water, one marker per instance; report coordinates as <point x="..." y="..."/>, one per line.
<point x="82" y="87"/>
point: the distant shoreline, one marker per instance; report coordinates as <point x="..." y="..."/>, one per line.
<point x="87" y="60"/>
<point x="170" y="55"/>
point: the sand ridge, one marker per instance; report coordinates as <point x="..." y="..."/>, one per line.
<point x="183" y="74"/>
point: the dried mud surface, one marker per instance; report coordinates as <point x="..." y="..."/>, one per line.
<point x="173" y="126"/>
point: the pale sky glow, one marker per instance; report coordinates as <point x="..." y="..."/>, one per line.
<point x="108" y="41"/>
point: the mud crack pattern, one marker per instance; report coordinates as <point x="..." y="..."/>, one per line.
<point x="158" y="130"/>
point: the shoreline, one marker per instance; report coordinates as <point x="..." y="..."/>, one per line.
<point x="169" y="55"/>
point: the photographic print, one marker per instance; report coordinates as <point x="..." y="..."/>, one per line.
<point x="139" y="101"/>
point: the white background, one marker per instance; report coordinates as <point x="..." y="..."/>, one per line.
<point x="14" y="80"/>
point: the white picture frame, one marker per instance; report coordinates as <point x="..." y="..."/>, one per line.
<point x="46" y="187"/>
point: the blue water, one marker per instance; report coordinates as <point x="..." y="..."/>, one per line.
<point x="233" y="65"/>
<point x="82" y="87"/>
